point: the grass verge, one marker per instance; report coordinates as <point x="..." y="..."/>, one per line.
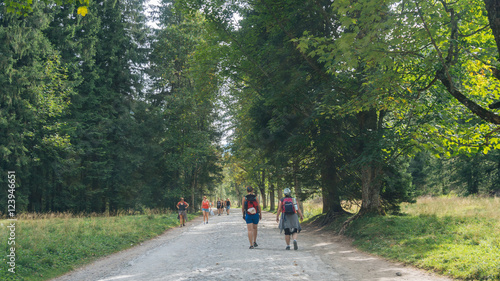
<point x="458" y="237"/>
<point x="49" y="247"/>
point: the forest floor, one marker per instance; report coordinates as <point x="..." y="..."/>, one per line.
<point x="219" y="251"/>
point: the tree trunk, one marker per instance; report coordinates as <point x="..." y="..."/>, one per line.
<point x="262" y="187"/>
<point x="279" y="191"/>
<point x="271" y="197"/>
<point x="329" y="187"/>
<point x="370" y="182"/>
<point x="298" y="189"/>
<point x="493" y="9"/>
<point x="194" y="208"/>
<point x="371" y="170"/>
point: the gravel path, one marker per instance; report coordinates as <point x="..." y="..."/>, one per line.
<point x="219" y="251"/>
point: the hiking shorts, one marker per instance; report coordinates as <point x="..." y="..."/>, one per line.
<point x="183" y="214"/>
<point x="252" y="218"/>
<point x="205" y="210"/>
<point x="289" y="231"/>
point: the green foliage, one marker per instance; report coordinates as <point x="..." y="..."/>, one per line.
<point x="46" y="248"/>
<point x="183" y="98"/>
<point x="403" y="61"/>
<point x="25" y="7"/>
<point x="462" y="174"/>
<point x="78" y="121"/>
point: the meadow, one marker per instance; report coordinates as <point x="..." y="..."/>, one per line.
<point x="454" y="236"/>
<point x="48" y="245"/>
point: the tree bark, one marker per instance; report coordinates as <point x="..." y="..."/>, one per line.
<point x="493" y="9"/>
<point x="329" y="187"/>
<point x="272" y="197"/>
<point x="370" y="175"/>
<point x="262" y="188"/>
<point x="371" y="170"/>
<point x="298" y="189"/>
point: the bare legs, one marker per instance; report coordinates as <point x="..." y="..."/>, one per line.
<point x="287" y="238"/>
<point x="252" y="233"/>
<point x="205" y="216"/>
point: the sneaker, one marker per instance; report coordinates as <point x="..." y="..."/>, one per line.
<point x="255" y="244"/>
<point x="295" y="246"/>
<point x="287" y="247"/>
<point x="251" y="247"/>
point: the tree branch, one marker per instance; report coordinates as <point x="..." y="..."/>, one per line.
<point x="444" y="76"/>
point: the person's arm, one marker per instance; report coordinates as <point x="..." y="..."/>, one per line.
<point x="178" y="205"/>
<point x="243" y="207"/>
<point x="258" y="206"/>
<point x="298" y="210"/>
<point x="279" y="211"/>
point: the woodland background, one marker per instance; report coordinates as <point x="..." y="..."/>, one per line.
<point x="370" y="102"/>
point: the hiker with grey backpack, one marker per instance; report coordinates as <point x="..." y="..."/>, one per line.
<point x="289" y="221"/>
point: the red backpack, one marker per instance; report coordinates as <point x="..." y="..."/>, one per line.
<point x="250" y="202"/>
<point x="287" y="205"/>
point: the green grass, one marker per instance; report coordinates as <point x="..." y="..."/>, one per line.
<point x="49" y="247"/>
<point x="458" y="237"/>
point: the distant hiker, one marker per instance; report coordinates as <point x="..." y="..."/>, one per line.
<point x="219" y="207"/>
<point x="205" y="207"/>
<point x="288" y="207"/>
<point x="182" y="206"/>
<point x="228" y="206"/>
<point x="251" y="214"/>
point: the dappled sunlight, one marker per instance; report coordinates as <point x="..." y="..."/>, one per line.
<point x="360" y="258"/>
<point x="321" y="244"/>
<point x="485" y="207"/>
<point x="120" y="277"/>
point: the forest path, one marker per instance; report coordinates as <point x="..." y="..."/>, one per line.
<point x="219" y="251"/>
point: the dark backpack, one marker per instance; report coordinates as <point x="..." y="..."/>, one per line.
<point x="287" y="205"/>
<point x="251" y="201"/>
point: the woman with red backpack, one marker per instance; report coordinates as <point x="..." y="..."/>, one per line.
<point x="251" y="214"/>
<point x="288" y="207"/>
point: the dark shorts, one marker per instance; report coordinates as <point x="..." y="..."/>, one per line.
<point x="252" y="218"/>
<point x="288" y="232"/>
<point x="183" y="214"/>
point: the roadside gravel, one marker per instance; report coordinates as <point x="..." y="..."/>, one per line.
<point x="219" y="251"/>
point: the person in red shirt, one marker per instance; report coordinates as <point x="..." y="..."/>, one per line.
<point x="182" y="207"/>
<point x="205" y="207"/>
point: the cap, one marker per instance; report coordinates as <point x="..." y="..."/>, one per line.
<point x="287" y="191"/>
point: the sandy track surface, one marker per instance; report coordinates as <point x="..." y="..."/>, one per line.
<point x="219" y="251"/>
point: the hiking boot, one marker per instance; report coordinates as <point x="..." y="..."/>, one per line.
<point x="295" y="246"/>
<point x="251" y="247"/>
<point x="255" y="244"/>
<point x="287" y="247"/>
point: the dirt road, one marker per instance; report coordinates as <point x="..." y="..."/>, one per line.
<point x="219" y="251"/>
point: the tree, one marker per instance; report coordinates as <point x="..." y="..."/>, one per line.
<point x="184" y="92"/>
